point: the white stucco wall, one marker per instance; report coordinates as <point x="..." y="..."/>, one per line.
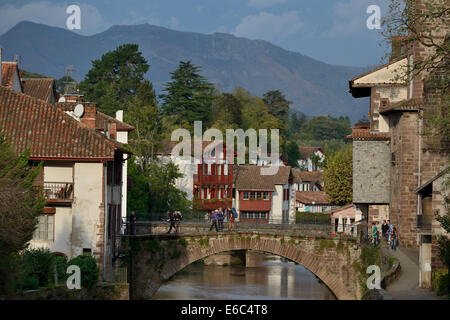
<point x="86" y="211"/>
<point x="386" y="74"/>
<point x="58" y="172"/>
<point x="62" y="233"/>
<point x="122" y="136"/>
<point x="276" y="213"/>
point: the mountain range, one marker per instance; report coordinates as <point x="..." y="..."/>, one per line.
<point x="314" y="87"/>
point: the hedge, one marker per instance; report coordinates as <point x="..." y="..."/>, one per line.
<point x="440" y="282"/>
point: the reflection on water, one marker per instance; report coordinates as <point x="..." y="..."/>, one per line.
<point x="273" y="278"/>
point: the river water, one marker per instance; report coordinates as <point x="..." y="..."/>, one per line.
<point x="272" y="278"/>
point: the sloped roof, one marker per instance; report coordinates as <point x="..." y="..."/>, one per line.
<point x="248" y="177"/>
<point x="100" y="118"/>
<point x="367" y="135"/>
<point x="41" y="88"/>
<point x="305" y="152"/>
<point x="9" y="68"/>
<point x="309" y="176"/>
<point x="48" y="131"/>
<point x="405" y="105"/>
<point x="308" y="197"/>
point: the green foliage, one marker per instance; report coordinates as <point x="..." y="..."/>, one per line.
<point x="293" y="154"/>
<point x="391" y="261"/>
<point x="440" y="282"/>
<point x="20" y="205"/>
<point x="188" y="96"/>
<point x="338" y="177"/>
<point x="325" y="128"/>
<point x="203" y="242"/>
<point x="278" y="106"/>
<point x="226" y="112"/>
<point x="61" y="263"/>
<point x="313" y="218"/>
<point x="89" y="269"/>
<point x="37" y="264"/>
<point x="183" y="242"/>
<point x="326" y="244"/>
<point x="369" y="256"/>
<point x="153" y="245"/>
<point x="114" y="79"/>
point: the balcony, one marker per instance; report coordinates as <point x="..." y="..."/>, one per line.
<point x="57" y="192"/>
<point x="424" y="222"/>
<point x="208" y="204"/>
<point x="213" y="179"/>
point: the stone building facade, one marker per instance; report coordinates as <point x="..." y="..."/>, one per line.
<point x="399" y="111"/>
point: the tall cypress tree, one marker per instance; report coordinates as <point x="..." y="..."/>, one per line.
<point x="188" y="96"/>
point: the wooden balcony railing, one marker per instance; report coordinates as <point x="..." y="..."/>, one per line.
<point x="57" y="191"/>
<point x="213" y="179"/>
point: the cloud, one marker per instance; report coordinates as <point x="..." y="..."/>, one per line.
<point x="260" y="4"/>
<point x="51" y="14"/>
<point x="270" y="27"/>
<point x="173" y="22"/>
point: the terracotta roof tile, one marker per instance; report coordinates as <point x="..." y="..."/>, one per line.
<point x="8" y="71"/>
<point x="305" y="152"/>
<point x="41" y="88"/>
<point x="308" y="197"/>
<point x="49" y="132"/>
<point x="405" y="105"/>
<point x="309" y="176"/>
<point x="366" y="134"/>
<point x="248" y="177"/>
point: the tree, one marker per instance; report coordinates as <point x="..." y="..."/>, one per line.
<point x="20" y="204"/>
<point x="188" y="96"/>
<point x="325" y="128"/>
<point x="114" y="79"/>
<point x="293" y="154"/>
<point x="296" y="122"/>
<point x="338" y="177"/>
<point x="153" y="187"/>
<point x="278" y="105"/>
<point x="226" y="110"/>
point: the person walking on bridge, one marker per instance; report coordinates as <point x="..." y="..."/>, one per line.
<point x="171" y="219"/>
<point x="220" y="218"/>
<point x="214" y="220"/>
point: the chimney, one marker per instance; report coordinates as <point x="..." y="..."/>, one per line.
<point x="112" y="130"/>
<point x="73" y="98"/>
<point x="0" y="66"/>
<point x="119" y="115"/>
<point x="90" y="112"/>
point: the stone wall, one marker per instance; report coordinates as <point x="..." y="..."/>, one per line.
<point x="371" y="182"/>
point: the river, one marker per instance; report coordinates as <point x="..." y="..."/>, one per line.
<point x="272" y="278"/>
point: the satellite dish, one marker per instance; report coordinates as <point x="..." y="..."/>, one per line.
<point x="62" y="99"/>
<point x="79" y="110"/>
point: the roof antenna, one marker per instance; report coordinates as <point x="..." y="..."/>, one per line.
<point x="69" y="85"/>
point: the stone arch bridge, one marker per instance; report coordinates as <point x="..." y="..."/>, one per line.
<point x="157" y="257"/>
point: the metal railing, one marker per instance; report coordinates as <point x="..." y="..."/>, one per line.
<point x="57" y="191"/>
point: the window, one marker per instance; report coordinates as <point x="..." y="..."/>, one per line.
<point x="245" y="196"/>
<point x="45" y="228"/>
<point x="254" y="215"/>
<point x="266" y="196"/>
<point x="258" y="195"/>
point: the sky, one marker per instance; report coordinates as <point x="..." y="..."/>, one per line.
<point x="332" y="31"/>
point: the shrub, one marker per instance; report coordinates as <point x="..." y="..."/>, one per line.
<point x="61" y="268"/>
<point x="89" y="269"/>
<point x="313" y="218"/>
<point x="37" y="264"/>
<point x="440" y="282"/>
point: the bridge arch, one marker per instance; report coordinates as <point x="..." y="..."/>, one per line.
<point x="157" y="258"/>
